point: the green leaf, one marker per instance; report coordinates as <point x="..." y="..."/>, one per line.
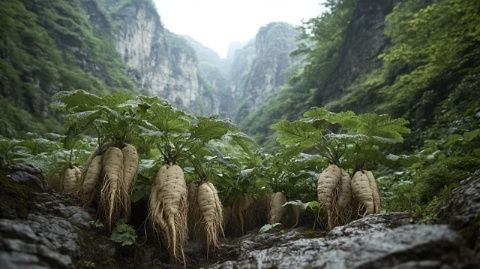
<point x="296" y="203"/>
<point x="206" y="129"/>
<point x="470" y="136"/>
<point x="297" y="133"/>
<point x="382" y="127"/>
<point x="75" y="100"/>
<point x="313" y="205"/>
<point x="269" y="227"/>
<point x="123" y="234"/>
<point x="242" y="140"/>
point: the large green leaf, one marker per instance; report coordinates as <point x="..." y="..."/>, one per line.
<point x="383" y="126"/>
<point x="78" y="100"/>
<point x="206" y="129"/>
<point x="297" y="133"/>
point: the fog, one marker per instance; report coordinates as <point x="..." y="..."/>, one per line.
<point x="217" y="23"/>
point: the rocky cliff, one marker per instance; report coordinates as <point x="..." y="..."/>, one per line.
<point x="260" y="67"/>
<point x="160" y="62"/>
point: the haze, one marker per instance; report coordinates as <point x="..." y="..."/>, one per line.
<point x="217" y="23"/>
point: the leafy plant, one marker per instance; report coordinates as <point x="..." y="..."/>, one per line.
<point x="269" y="228"/>
<point x="345" y="138"/>
<point x="123" y="234"/>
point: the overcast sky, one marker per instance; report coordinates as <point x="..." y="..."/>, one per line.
<point x="217" y="23"/>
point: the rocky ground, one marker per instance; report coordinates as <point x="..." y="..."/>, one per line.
<point x="43" y="229"/>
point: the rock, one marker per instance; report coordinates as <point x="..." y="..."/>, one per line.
<point x="27" y="174"/>
<point x="462" y="211"/>
<point x="377" y="241"/>
<point x="260" y="67"/>
<point x="52" y="231"/>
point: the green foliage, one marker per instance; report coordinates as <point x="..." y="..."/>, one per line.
<point x="269" y="228"/>
<point x="291" y="173"/>
<point x="423" y="185"/>
<point x="342" y="137"/>
<point x="123" y="234"/>
<point x="177" y="134"/>
<point x="112" y="117"/>
<point x="46" y="47"/>
<point x="432" y="43"/>
<point x="48" y="152"/>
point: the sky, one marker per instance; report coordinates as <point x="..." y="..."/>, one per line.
<point x="217" y="23"/>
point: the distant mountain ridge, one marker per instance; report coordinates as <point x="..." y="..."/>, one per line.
<point x="110" y="45"/>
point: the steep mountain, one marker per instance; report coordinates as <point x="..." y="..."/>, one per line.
<point x="213" y="72"/>
<point x="98" y="46"/>
<point x="416" y="59"/>
<point x="160" y="62"/>
<point x="207" y="56"/>
<point x="260" y="67"/>
<point x="45" y="48"/>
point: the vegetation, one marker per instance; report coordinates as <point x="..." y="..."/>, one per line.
<point x="45" y="48"/>
<point x="428" y="74"/>
<point x="412" y="121"/>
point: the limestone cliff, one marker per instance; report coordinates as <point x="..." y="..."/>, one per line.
<point x="261" y="67"/>
<point x="160" y="62"/>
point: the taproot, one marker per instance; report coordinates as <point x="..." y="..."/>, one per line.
<point x="130" y="165"/>
<point x="276" y="209"/>
<point x="111" y="194"/>
<point x="91" y="180"/>
<point x="374" y="188"/>
<point x="327" y="191"/>
<point x="362" y="191"/>
<point x="71" y="179"/>
<point x="210" y="209"/>
<point x="345" y="199"/>
<point x="168" y="209"/>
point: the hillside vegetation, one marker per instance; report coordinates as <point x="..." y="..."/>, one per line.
<point x="48" y="48"/>
<point x="381" y="114"/>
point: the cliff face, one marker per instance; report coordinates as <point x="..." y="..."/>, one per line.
<point x="260" y="67"/>
<point x="160" y="62"/>
<point x="364" y="42"/>
<point x="46" y="48"/>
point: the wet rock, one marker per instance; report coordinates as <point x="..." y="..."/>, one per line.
<point x="26" y="174"/>
<point x="462" y="211"/>
<point x="52" y="232"/>
<point x="378" y="241"/>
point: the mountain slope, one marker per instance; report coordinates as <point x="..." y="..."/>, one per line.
<point x="417" y="59"/>
<point x="260" y="67"/>
<point x="48" y="48"/>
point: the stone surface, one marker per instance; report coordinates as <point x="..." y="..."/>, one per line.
<point x="378" y="241"/>
<point x="462" y="211"/>
<point x="44" y="229"/>
<point x="260" y="67"/>
<point x="160" y="62"/>
<point x="50" y="231"/>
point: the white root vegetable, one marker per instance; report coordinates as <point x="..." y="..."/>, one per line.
<point x="168" y="209"/>
<point x="71" y="178"/>
<point x="111" y="195"/>
<point x="362" y="192"/>
<point x="327" y="191"/>
<point x="276" y="209"/>
<point x="374" y="188"/>
<point x="130" y="165"/>
<point x="91" y="180"/>
<point x="210" y="209"/>
<point x="345" y="199"/>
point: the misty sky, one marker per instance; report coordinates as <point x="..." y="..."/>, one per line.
<point x="217" y="23"/>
